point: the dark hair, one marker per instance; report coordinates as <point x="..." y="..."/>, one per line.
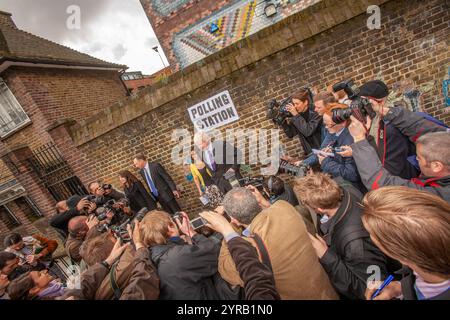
<point x="302" y="95"/>
<point x="129" y="177"/>
<point x="19" y="288"/>
<point x="141" y="156"/>
<point x="12" y="239"/>
<point x="275" y="185"/>
<point x="5" y="257"/>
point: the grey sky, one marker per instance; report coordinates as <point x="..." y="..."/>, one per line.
<point x="112" y="30"/>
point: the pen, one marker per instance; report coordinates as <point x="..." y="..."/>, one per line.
<point x="385" y="283"/>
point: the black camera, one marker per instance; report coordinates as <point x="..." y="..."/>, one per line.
<point x="297" y="171"/>
<point x="277" y="112"/>
<point x="257" y="182"/>
<point x="97" y="200"/>
<point x="106" y="186"/>
<point x="121" y="231"/>
<point x="360" y="107"/>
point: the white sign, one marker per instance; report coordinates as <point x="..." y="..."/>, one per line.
<point x="214" y="112"/>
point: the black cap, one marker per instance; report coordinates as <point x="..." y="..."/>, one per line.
<point x="376" y="89"/>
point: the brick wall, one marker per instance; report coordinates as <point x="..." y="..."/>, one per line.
<point x="314" y="47"/>
<point x="49" y="95"/>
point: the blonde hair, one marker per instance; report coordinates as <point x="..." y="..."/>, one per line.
<point x="318" y="190"/>
<point x="155" y="227"/>
<point x="410" y="225"/>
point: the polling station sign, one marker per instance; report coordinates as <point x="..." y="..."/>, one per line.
<point x="213" y="112"/>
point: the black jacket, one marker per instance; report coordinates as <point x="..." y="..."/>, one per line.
<point x="139" y="197"/>
<point x="223" y="164"/>
<point x="350" y="251"/>
<point x="307" y="126"/>
<point x="162" y="180"/>
<point x="187" y="271"/>
<point x="393" y="149"/>
<point x="60" y="221"/>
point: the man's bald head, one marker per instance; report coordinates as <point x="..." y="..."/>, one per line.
<point x="62" y="206"/>
<point x="78" y="226"/>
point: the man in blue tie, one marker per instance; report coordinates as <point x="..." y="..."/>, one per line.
<point x="159" y="182"/>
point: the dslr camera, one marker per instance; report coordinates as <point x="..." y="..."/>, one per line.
<point x="121" y="232"/>
<point x="360" y="107"/>
<point x="196" y="223"/>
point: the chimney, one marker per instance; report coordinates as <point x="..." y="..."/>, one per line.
<point x="6" y="20"/>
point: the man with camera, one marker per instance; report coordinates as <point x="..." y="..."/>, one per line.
<point x="104" y="193"/>
<point x="343" y="245"/>
<point x="303" y="122"/>
<point x="81" y="228"/>
<point x="185" y="270"/>
<point x="279" y="232"/>
<point x="433" y="155"/>
<point x="67" y="209"/>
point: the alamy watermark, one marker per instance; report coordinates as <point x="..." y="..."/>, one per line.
<point x="73" y="22"/>
<point x="374" y="21"/>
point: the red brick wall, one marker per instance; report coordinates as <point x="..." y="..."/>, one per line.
<point x="397" y="53"/>
<point x="48" y="95"/>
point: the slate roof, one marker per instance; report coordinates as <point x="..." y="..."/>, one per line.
<point x="22" y="46"/>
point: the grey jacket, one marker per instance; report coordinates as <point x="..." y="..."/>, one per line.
<point x="372" y="173"/>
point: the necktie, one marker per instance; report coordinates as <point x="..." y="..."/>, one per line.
<point x="150" y="183"/>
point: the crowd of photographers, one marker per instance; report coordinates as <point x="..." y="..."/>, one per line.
<point x="370" y="219"/>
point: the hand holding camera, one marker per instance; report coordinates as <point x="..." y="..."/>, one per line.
<point x="135" y="234"/>
<point x="217" y="222"/>
<point x="357" y="129"/>
<point x="185" y="226"/>
<point x="116" y="252"/>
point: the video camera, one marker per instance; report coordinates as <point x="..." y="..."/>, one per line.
<point x="257" y="182"/>
<point x="278" y="113"/>
<point x="360" y="107"/>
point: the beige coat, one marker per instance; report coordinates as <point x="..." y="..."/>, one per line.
<point x="297" y="271"/>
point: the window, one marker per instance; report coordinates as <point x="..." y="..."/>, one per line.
<point x="29" y="208"/>
<point x="8" y="218"/>
<point x="12" y="116"/>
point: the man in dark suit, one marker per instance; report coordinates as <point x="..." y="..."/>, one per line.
<point x="215" y="156"/>
<point x="161" y="186"/>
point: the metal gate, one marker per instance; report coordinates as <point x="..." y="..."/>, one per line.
<point x="55" y="173"/>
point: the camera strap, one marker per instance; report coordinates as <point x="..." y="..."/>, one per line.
<point x="113" y="281"/>
<point x="262" y="251"/>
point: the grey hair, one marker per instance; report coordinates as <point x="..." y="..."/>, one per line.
<point x="200" y="137"/>
<point x="241" y="204"/>
<point x="436" y="147"/>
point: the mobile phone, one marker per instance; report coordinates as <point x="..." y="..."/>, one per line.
<point x="322" y="153"/>
<point x="198" y="223"/>
<point x="204" y="199"/>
